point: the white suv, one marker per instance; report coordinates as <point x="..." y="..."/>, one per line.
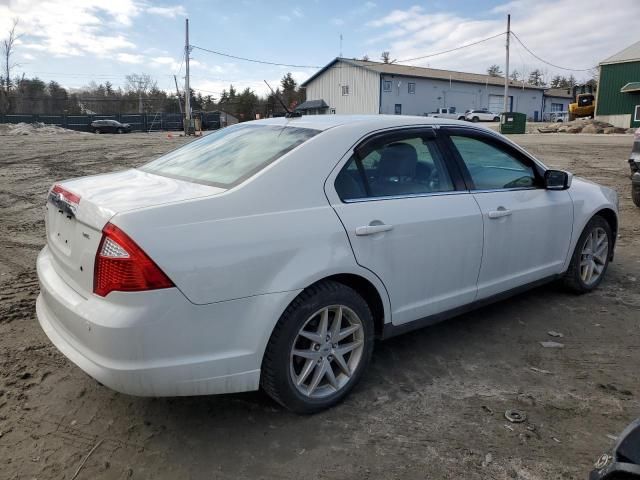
<point x="482" y="115"/>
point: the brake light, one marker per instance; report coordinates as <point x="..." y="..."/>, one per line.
<point x="121" y="265"/>
<point x="68" y="196"/>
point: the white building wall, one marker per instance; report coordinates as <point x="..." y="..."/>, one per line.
<point x="364" y="89"/>
<point x="548" y="100"/>
<point x="432" y="94"/>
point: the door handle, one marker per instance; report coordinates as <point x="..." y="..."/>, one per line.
<point x="499" y="213"/>
<point x="372" y="229"/>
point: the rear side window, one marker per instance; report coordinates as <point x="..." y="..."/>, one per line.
<point x="230" y="155"/>
<point x="409" y="166"/>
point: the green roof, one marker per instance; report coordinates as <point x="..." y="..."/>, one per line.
<point x="631" y="87"/>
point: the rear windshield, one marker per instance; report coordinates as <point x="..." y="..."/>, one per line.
<point x="230" y="155"/>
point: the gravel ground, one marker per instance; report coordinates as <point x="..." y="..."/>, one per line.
<point x="431" y="406"/>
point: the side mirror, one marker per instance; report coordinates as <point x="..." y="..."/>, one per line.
<point x="557" y="179"/>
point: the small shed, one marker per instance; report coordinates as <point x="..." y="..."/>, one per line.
<point x="313" y="107"/>
<point x="618" y="99"/>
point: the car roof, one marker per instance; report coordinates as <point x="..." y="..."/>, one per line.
<point x="324" y="122"/>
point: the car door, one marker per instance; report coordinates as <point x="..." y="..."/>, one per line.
<point x="410" y="221"/>
<point x="527" y="229"/>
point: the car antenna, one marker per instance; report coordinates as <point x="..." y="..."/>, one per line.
<point x="289" y="114"/>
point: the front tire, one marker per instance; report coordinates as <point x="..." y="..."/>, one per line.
<point x="496" y="119"/>
<point x="591" y="256"/>
<point x="475" y="119"/>
<point x="319" y="349"/>
<point x="120" y="131"/>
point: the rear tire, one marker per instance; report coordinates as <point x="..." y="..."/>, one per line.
<point x="590" y="258"/>
<point x="322" y="371"/>
<point x="496" y="119"/>
<point x="120" y="130"/>
<point x="635" y="194"/>
<point x="97" y="131"/>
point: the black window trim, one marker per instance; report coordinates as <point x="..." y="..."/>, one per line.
<point x="369" y="143"/>
<point x="494" y="141"/>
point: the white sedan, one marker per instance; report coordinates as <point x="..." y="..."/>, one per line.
<point x="272" y="253"/>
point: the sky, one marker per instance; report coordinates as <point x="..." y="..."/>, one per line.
<point x="75" y="42"/>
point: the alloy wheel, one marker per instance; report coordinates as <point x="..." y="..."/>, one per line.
<point x="593" y="257"/>
<point x="326" y="351"/>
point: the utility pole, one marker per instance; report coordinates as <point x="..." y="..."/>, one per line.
<point x="506" y="75"/>
<point x="140" y="107"/>
<point x="187" y="88"/>
<point x="175" y="79"/>
<point x="340" y="45"/>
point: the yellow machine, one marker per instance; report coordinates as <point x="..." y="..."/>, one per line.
<point x="584" y="103"/>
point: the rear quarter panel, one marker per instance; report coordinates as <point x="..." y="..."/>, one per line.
<point x="274" y="233"/>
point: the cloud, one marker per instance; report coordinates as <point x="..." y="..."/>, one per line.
<point x="169" y="12"/>
<point x="297" y="12"/>
<point x="338" y="22"/>
<point x="72" y="27"/>
<point x="593" y="34"/>
<point x="284" y="18"/>
<point x="129" y="58"/>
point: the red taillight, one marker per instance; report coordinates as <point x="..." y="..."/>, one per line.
<point x="70" y="197"/>
<point x="122" y="265"/>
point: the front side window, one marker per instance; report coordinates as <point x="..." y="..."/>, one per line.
<point x="386" y="85"/>
<point x="491" y="167"/>
<point x="409" y="166"/>
<point x="230" y="155"/>
<point x="411" y="88"/>
<point x="345" y="89"/>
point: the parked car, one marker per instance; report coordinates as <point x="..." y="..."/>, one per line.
<point x="482" y="115"/>
<point x="449" y="112"/>
<point x="634" y="163"/>
<point x="272" y="253"/>
<point x="109" y="126"/>
<point x="559" y="117"/>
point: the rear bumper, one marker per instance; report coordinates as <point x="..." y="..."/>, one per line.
<point x="158" y="343"/>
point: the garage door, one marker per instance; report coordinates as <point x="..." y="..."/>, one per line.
<point x="496" y="103"/>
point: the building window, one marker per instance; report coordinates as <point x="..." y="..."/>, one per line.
<point x="345" y="89"/>
<point x="411" y="87"/>
<point x="557" y="107"/>
<point x="386" y="85"/>
<point x="636" y="117"/>
<point x="398" y="110"/>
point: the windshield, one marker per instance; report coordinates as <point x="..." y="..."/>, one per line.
<point x="230" y="155"/>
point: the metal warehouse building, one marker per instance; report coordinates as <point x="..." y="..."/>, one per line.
<point x="618" y="100"/>
<point x="347" y="86"/>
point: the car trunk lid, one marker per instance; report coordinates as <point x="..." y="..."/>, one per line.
<point x="77" y="210"/>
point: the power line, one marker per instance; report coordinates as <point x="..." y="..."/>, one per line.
<point x="548" y="63"/>
<point x="452" y="49"/>
<point x="264" y="62"/>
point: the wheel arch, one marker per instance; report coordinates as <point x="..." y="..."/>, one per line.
<point x="612" y="219"/>
<point x="368" y="292"/>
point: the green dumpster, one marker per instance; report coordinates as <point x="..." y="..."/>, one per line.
<point x="513" y="122"/>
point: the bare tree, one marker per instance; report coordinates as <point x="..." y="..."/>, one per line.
<point x="8" y="45"/>
<point x="385" y="57"/>
<point x="141" y="84"/>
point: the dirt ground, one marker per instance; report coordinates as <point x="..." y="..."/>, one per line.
<point x="431" y="406"/>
